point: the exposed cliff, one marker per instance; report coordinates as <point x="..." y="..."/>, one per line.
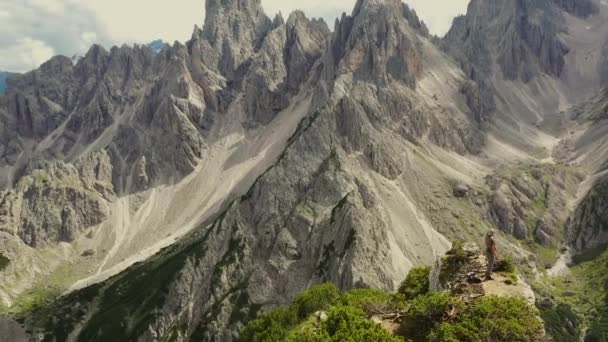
<point x="520" y="37"/>
<point x="532" y="203"/>
<point x="588" y="227"/>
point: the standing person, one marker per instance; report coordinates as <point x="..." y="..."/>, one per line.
<point x="490" y="253"/>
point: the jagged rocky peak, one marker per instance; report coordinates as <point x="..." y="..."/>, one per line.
<point x="234" y="30"/>
<point x="377" y="43"/>
<point x="282" y="64"/>
<point x="93" y="61"/>
<point x="521" y="37"/>
<point x="306" y="40"/>
<point x="278" y="20"/>
<point x="83" y="102"/>
<point x="37" y="102"/>
<point x="415" y="22"/>
<point x="54" y="201"/>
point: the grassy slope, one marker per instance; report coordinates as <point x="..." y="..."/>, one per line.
<point x="581" y="298"/>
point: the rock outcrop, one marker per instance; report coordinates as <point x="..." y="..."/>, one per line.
<point x="588" y="225"/>
<point x="234" y="30"/>
<point x="521" y="37"/>
<point x="54" y="202"/>
<point x="462" y="271"/>
<point x="532" y="203"/>
<point x="281" y="66"/>
<point x="110" y="100"/>
<point x="377" y="44"/>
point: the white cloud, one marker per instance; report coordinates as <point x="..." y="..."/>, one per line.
<point x="142" y="21"/>
<point x="25" y="54"/>
<point x="34" y="29"/>
<point x="438" y="14"/>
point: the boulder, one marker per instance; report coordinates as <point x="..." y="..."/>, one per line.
<point x="461" y="190"/>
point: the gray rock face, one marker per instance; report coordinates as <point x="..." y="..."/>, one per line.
<point x="579" y="8"/>
<point x="521" y="37"/>
<point x="588" y="226"/>
<point x="110" y="100"/>
<point x="532" y="203"/>
<point x="57" y="201"/>
<point x="412" y="17"/>
<point x="283" y="63"/>
<point x="12" y="331"/>
<point x="480" y="99"/>
<point x="594" y="109"/>
<point x="233" y="29"/>
<point x="378" y="50"/>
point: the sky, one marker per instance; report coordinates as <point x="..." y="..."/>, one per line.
<point x="35" y="30"/>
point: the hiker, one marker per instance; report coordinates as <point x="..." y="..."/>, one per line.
<point x="490" y="253"/>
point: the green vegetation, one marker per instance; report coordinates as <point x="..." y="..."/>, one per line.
<point x="452" y="262"/>
<point x="346" y="318"/>
<point x="582" y="301"/>
<point x="505" y="265"/>
<point x="35" y="298"/>
<point x="345" y="323"/>
<point x="40" y="178"/>
<point x="4" y="262"/>
<point x="547" y="256"/>
<point x="42" y="294"/>
<point x="493" y="319"/>
<point x="506" y="268"/>
<point x="563" y="324"/>
<point x="536" y="210"/>
<point x="426" y="312"/>
<point x="598" y="331"/>
<point x="369" y="299"/>
<point x="274" y="326"/>
<point x="103" y="309"/>
<point x="416" y="283"/>
<point x="319" y="297"/>
<point x="324" y="314"/>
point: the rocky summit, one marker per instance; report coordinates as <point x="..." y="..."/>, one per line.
<point x="179" y="193"/>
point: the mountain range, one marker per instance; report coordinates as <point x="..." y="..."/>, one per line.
<point x="174" y="194"/>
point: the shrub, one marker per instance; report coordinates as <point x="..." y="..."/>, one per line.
<point x="563" y="324"/>
<point x="499" y="319"/>
<point x="457" y="252"/>
<point x="308" y="334"/>
<point x="597" y="333"/>
<point x="416" y="283"/>
<point x="348" y="324"/>
<point x="366" y="299"/>
<point x="4" y="262"/>
<point x="278" y="324"/>
<point x="505" y="265"/>
<point x="318" y="297"/>
<point x="425" y="312"/>
<point x="452" y="262"/>
<point x="273" y="326"/>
